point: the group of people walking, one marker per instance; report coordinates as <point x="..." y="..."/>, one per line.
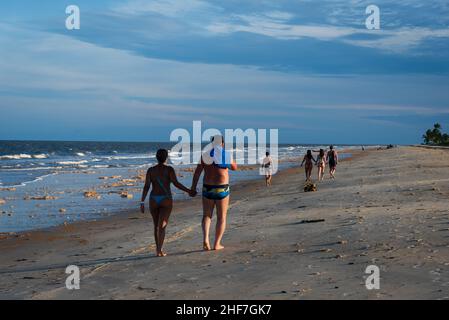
<point x="216" y="190"/>
<point x="330" y="157"/>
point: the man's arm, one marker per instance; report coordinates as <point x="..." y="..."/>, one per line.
<point x="233" y="166"/>
<point x="196" y="176"/>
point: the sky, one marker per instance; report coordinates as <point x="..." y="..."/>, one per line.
<point x="138" y="69"/>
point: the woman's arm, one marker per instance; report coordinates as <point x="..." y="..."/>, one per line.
<point x="146" y="188"/>
<point x="303" y="160"/>
<point x="176" y="183"/>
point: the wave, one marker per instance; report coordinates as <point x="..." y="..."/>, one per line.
<point x="131" y="157"/>
<point x="24" y="156"/>
<point x="23" y="184"/>
<point x="40" y="156"/>
<point x="73" y="163"/>
<point x="80" y="154"/>
<point x="104" y="166"/>
<point x="16" y="157"/>
<point x="30" y="169"/>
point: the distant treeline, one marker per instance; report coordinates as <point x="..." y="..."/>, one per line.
<point x="435" y="137"/>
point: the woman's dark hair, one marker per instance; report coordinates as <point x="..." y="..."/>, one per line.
<point x="267" y="153"/>
<point x="309" y="154"/>
<point x="161" y="155"/>
<point x="331" y="147"/>
<point x="321" y="153"/>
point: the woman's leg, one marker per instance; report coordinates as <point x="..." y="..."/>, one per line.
<point x="164" y="216"/>
<point x="155" y="214"/>
<point x="309" y="172"/>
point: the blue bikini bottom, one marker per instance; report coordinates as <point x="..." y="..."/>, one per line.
<point x="159" y="198"/>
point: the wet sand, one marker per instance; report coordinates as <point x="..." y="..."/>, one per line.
<point x="387" y="208"/>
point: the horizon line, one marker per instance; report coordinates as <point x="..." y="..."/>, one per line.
<point x="129" y="141"/>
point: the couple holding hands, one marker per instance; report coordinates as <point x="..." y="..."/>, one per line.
<point x="215" y="193"/>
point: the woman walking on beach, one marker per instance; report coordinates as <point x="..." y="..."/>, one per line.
<point x="332" y="159"/>
<point x="308" y="158"/>
<point x="321" y="163"/>
<point x="160" y="177"/>
<point x="266" y="167"/>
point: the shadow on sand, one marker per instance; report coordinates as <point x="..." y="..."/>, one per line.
<point x="92" y="263"/>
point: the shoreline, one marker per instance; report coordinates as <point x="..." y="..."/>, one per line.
<point x="65" y="192"/>
<point x="181" y="202"/>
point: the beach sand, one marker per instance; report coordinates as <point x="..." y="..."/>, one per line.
<point x="387" y="208"/>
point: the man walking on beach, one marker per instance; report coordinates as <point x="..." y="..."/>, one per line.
<point x="266" y="167"/>
<point x="215" y="189"/>
<point x="332" y="159"/>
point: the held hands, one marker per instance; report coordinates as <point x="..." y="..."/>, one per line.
<point x="193" y="192"/>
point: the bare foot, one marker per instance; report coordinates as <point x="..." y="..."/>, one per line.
<point x="206" y="246"/>
<point x="161" y="254"/>
<point x="218" y="247"/>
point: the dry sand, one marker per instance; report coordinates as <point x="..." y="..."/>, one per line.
<point x="388" y="208"/>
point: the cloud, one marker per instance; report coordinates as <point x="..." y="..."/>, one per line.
<point x="402" y="39"/>
<point x="386" y="109"/>
<point x="277" y="25"/>
<point x="57" y="81"/>
<point x="168" y="8"/>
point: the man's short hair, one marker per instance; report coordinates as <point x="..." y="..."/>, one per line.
<point x="218" y="137"/>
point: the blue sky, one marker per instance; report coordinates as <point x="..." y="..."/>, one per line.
<point x="138" y="69"/>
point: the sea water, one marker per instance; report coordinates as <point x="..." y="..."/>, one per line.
<point x="64" y="171"/>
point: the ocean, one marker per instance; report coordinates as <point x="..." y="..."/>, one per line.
<point x="61" y="172"/>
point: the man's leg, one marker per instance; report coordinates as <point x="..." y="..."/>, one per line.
<point x="208" y="209"/>
<point x="222" y="211"/>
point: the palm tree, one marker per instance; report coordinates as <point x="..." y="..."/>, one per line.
<point x="435" y="137"/>
<point x="445" y="139"/>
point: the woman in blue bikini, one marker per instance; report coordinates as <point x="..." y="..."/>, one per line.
<point x="160" y="177"/>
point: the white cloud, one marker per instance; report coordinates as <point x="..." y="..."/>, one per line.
<point x="168" y="8"/>
<point x="401" y="40"/>
<point x="276" y="25"/>
<point x="53" y="73"/>
<point x="273" y="27"/>
<point x="383" y="108"/>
